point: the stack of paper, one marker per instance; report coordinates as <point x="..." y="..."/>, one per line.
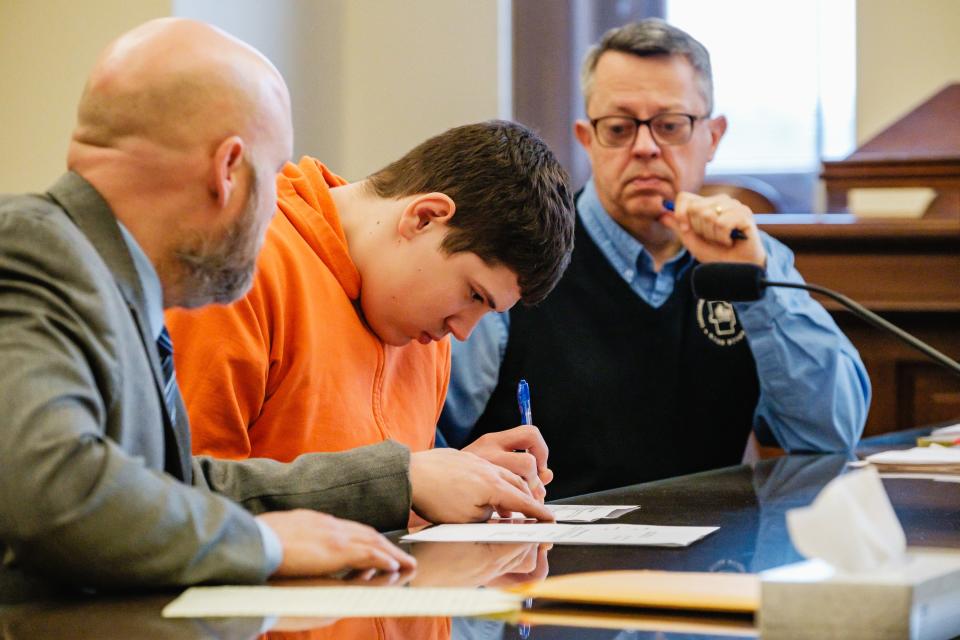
<point x="924" y="460"/>
<point x="733" y="592"/>
<point x="947" y="436"/>
<point x="643" y="619"/>
<point x="580" y="512"/>
<point x="599" y="534"/>
<point x="953" y="429"/>
<point x="338" y="602"/>
<point x="718" y="592"/>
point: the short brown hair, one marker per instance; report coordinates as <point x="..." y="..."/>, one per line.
<point x="513" y="200"/>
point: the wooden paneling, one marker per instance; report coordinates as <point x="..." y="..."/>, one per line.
<point x="925" y="395"/>
<point x="907" y="270"/>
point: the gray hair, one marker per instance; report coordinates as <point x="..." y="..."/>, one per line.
<point x="650" y="37"/>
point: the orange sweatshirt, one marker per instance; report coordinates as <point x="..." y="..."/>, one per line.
<point x="371" y="629"/>
<point x="291" y="367"/>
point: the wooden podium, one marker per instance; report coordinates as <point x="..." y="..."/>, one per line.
<point x="921" y="149"/>
<point x="908" y="271"/>
<point x="905" y="269"/>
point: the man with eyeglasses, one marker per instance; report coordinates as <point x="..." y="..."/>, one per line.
<point x="632" y="377"/>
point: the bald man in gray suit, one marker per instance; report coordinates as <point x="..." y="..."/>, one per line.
<point x="181" y="129"/>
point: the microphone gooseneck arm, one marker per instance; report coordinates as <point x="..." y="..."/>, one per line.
<point x="873" y="319"/>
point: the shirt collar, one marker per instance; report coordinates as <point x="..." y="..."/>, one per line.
<point x="149" y="281"/>
<point x="621" y="249"/>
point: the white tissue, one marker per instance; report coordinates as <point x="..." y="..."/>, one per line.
<point x="850" y="525"/>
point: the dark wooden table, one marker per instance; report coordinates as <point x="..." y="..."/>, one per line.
<point x="747" y="503"/>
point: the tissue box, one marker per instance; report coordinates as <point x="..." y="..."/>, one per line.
<point x="918" y="599"/>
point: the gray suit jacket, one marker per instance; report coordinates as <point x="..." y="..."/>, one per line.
<point x="93" y="475"/>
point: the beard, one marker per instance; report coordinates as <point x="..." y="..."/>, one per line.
<point x="220" y="269"/>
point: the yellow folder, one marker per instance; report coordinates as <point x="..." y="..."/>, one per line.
<point x="731" y="592"/>
<point x="712" y="624"/>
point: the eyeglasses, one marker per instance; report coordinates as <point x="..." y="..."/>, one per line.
<point x="666" y="129"/>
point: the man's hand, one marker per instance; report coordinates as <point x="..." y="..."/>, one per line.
<point x="704" y="226"/>
<point x="457" y="486"/>
<point x="533" y="568"/>
<point x="316" y="544"/>
<point x="466" y="564"/>
<point x="521" y="450"/>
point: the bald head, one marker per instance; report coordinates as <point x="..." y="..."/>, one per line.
<point x="181" y="128"/>
<point x="177" y="83"/>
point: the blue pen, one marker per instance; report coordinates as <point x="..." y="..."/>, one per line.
<point x="736" y="234"/>
<point x="523" y="629"/>
<point x="523" y="401"/>
<point x="526" y="417"/>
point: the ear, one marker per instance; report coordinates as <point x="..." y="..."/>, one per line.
<point x="424" y="212"/>
<point x="227" y="162"/>
<point x="717" y="126"/>
<point x="584" y="132"/>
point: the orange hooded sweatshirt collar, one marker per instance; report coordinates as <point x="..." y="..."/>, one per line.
<point x="303" y="195"/>
<point x="291" y="367"/>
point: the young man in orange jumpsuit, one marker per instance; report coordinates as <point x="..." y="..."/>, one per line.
<point x="342" y="342"/>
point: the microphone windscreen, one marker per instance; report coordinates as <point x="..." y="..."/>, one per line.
<point x="728" y="281"/>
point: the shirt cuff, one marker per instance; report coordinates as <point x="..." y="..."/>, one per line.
<point x="271" y="547"/>
<point x="760" y="315"/>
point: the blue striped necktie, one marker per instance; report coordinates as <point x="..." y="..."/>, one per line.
<point x="165" y="347"/>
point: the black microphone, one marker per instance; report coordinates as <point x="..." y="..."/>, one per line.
<point x="742" y="282"/>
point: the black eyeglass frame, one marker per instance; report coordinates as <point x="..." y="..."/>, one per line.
<point x="648" y="122"/>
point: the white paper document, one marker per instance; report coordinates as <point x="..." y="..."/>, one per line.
<point x="599" y="534"/>
<point x="932" y="456"/>
<point x="579" y="512"/>
<point x="338" y="602"/>
<point x="949" y="430"/>
<point x="936" y="477"/>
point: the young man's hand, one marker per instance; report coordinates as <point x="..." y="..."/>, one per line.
<point x="464" y="564"/>
<point x="316" y="544"/>
<point x="521" y="450"/>
<point x="457" y="486"/>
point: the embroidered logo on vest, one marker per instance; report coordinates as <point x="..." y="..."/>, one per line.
<point x="719" y="323"/>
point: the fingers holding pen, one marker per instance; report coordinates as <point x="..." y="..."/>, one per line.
<point x="522" y="450"/>
<point x="715" y="228"/>
<point x="719" y="219"/>
<point x="458" y="486"/>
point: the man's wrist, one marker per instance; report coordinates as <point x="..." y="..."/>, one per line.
<point x="272" y="548"/>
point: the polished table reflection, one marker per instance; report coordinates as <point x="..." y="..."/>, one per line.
<point x="748" y="503"/>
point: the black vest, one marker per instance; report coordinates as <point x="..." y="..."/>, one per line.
<point x="622" y="392"/>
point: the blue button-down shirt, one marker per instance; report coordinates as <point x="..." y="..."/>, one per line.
<point x="153" y="296"/>
<point x="814" y="389"/>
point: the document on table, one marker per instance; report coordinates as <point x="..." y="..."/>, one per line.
<point x="580" y="512"/>
<point x="930" y="459"/>
<point x="949" y="430"/>
<point x="936" y="477"/>
<point x="948" y="436"/>
<point x="923" y="463"/>
<point x="598" y="534"/>
<point x="338" y="602"/>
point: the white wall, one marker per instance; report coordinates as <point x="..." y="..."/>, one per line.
<point x="906" y="51"/>
<point x="372" y="78"/>
<point x="369" y="78"/>
<point x="413" y="69"/>
<point x="46" y="49"/>
<point x="304" y="40"/>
